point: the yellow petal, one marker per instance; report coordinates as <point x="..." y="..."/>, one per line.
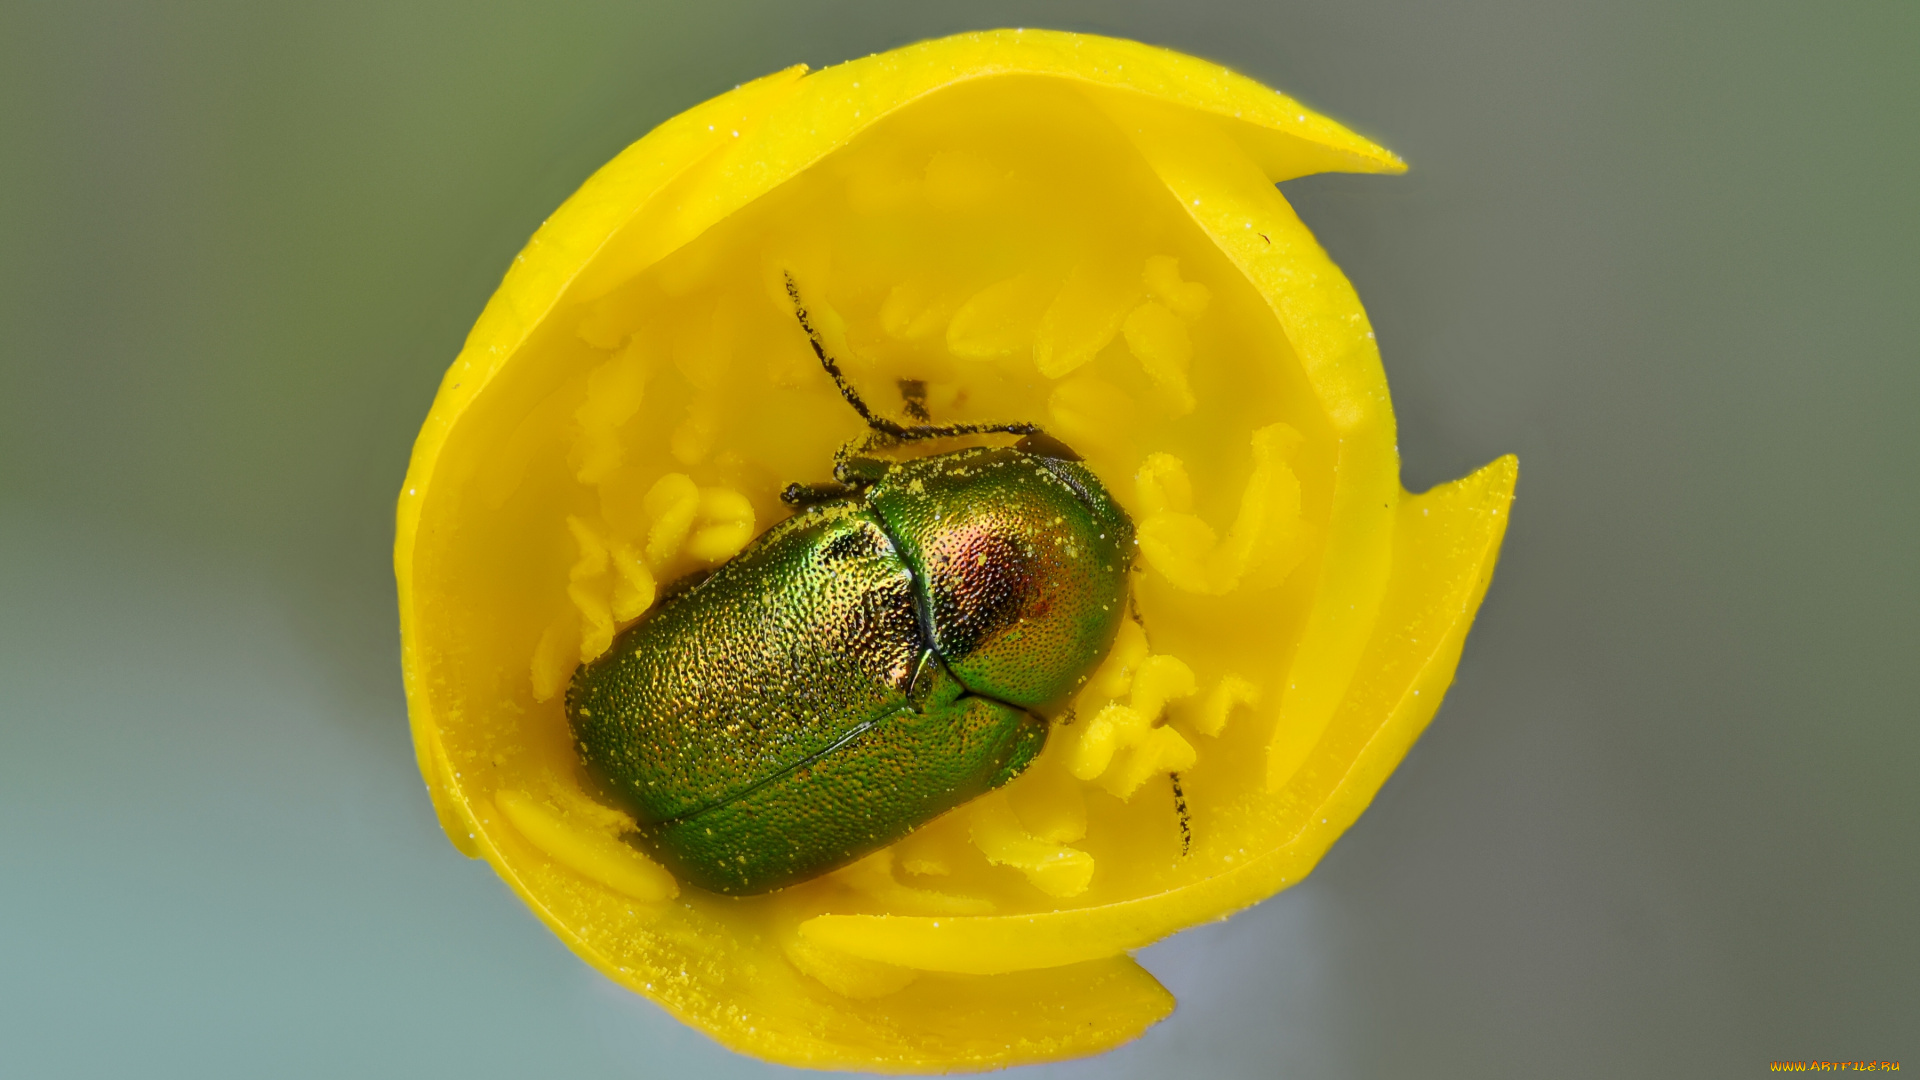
<point x="1446" y="542"/>
<point x="590" y="854"/>
<point x="847" y="975"/>
<point x="1237" y="204"/>
<point x="1216" y="142"/>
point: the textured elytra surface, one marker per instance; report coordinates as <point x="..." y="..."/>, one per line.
<point x="888" y="778"/>
<point x="807" y="633"/>
<point x="858" y="669"/>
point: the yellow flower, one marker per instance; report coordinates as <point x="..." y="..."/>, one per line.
<point x="1031" y="225"/>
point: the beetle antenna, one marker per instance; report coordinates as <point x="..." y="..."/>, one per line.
<point x="880" y="423"/>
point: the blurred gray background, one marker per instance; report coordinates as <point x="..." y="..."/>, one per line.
<point x="1665" y="251"/>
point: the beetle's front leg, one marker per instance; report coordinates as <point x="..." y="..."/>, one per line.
<point x="803" y="495"/>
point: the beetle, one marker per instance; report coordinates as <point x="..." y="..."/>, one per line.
<point x="890" y="651"/>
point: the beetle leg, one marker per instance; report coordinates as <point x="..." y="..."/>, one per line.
<point x="798" y="494"/>
<point x="860" y="472"/>
<point x="1186" y="821"/>
<point x="1041" y="444"/>
<point x="1133" y="604"/>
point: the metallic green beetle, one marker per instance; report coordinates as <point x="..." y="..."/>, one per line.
<point x="884" y="655"/>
